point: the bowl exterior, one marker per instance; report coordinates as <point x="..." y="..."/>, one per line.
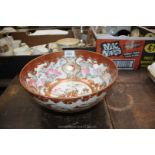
<point x="73" y="105"/>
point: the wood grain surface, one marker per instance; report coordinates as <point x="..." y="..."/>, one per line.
<point x="131" y="101"/>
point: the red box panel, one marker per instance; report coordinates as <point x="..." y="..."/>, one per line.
<point x="125" y="53"/>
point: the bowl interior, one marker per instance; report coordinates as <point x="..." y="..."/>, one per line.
<point x="56" y="75"/>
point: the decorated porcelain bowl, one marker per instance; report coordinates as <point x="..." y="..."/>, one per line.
<point x="69" y="81"/>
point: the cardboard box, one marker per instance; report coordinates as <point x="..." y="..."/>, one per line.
<point x="148" y="54"/>
<point x="127" y="52"/>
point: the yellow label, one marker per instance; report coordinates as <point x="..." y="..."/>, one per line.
<point x="150" y="48"/>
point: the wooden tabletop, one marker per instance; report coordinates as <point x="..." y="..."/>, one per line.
<point x="130" y="103"/>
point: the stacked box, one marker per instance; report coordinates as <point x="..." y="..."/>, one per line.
<point x="128" y="52"/>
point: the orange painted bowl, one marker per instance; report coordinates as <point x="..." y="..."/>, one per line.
<point x="69" y="81"/>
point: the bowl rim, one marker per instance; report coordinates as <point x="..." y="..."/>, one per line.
<point x="71" y="98"/>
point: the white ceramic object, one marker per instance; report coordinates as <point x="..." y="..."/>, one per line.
<point x="16" y="43"/>
<point x="6" y="46"/>
<point x="54" y="47"/>
<point x="151" y="69"/>
<point x="24" y="50"/>
<point x="8" y="53"/>
<point x="8" y="30"/>
<point x="39" y="50"/>
<point x="68" y="42"/>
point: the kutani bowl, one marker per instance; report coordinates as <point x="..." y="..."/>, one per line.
<point x="68" y="81"/>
